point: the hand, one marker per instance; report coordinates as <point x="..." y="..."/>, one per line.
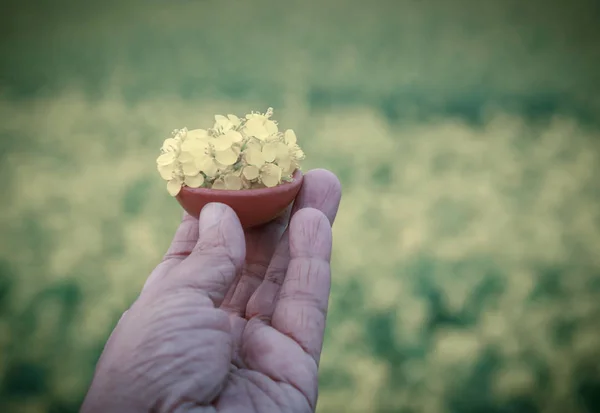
<point x="228" y="321"/>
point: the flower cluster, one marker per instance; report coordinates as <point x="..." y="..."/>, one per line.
<point x="236" y="153"/>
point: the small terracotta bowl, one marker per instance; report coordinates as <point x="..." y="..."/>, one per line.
<point x="253" y="207"/>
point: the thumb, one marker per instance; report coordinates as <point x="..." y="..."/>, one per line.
<point x="216" y="258"/>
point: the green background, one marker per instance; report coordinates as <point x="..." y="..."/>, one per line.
<point x="466" y="267"/>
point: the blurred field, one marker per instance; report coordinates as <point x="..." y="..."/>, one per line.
<point x="466" y="137"/>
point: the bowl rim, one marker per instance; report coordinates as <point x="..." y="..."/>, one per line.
<point x="296" y="178"/>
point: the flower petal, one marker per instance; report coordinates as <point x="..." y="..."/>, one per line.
<point x="226" y="157"/>
<point x="254" y="156"/>
<point x="166" y="158"/>
<point x="194" y="145"/>
<point x="283" y="151"/>
<point x="270" y="175"/>
<point x="232" y="182"/>
<point x="258" y="116"/>
<point x="271" y="127"/>
<point x="222" y="142"/>
<point x="166" y="171"/>
<point x="201" y="134"/>
<point x="269" y="181"/>
<point x="285" y="165"/>
<point x="250" y="172"/>
<point x="269" y="152"/>
<point x="234" y="119"/>
<point x="223" y="169"/>
<point x="190" y="168"/>
<point x="290" y="137"/>
<point x="234" y="136"/>
<point x="200" y="157"/>
<point x="174" y="186"/>
<point x="195" y="181"/>
<point x="253" y="143"/>
<point x="208" y="166"/>
<point x="220" y="145"/>
<point x="218" y="184"/>
<point x="255" y="127"/>
<point x="170" y="145"/>
<point x="222" y="123"/>
<point x="186" y="157"/>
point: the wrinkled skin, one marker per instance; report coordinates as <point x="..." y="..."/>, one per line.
<point x="228" y="321"/>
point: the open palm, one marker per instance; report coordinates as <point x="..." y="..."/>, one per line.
<point x="229" y="321"/>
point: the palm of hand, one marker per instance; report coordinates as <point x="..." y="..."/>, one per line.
<point x="251" y="345"/>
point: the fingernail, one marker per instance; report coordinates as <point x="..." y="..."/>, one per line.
<point x="211" y="214"/>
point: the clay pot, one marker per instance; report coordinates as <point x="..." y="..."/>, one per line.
<point x="253" y="206"/>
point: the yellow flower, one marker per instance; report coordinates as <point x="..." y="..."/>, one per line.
<point x="270" y="175"/>
<point x="291" y="141"/>
<point x="174" y="186"/>
<point x="195" y="157"/>
<point x="227" y="157"/>
<point x="169" y="151"/>
<point x="253" y="154"/>
<point x="226" y="140"/>
<point x="167" y="164"/>
<point x="171" y="174"/>
<point x="279" y="153"/>
<point x="226" y="147"/>
<point x="232" y="182"/>
<point x="234" y="154"/>
<point x="195" y="181"/>
<point x="260" y="126"/>
<point x="251" y="172"/>
<point x="195" y="147"/>
<point x="201" y="134"/>
<point x="170" y="145"/>
<point x="225" y="124"/>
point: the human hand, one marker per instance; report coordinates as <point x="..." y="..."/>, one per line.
<point x="228" y="321"/>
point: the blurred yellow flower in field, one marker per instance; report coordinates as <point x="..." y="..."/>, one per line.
<point x="236" y="153"/>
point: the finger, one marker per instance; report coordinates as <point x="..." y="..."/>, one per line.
<point x="301" y="308"/>
<point x="321" y="190"/>
<point x="215" y="259"/>
<point x="186" y="236"/>
<point x="260" y="246"/>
